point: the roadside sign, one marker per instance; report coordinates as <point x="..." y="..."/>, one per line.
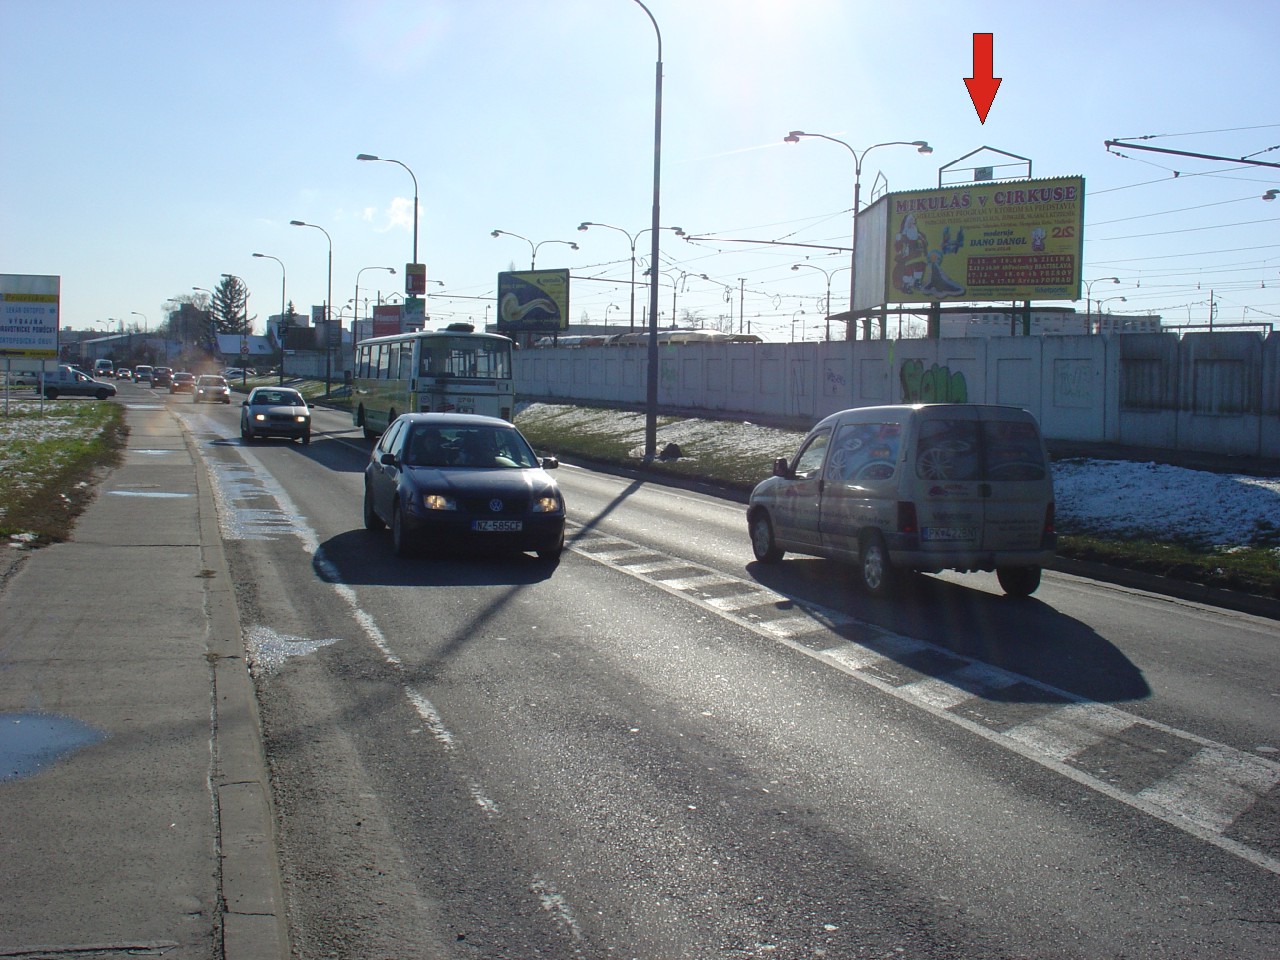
<point x="29" y="316"/>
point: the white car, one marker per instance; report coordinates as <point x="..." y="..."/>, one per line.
<point x="275" y="412"/>
<point x="212" y="389"/>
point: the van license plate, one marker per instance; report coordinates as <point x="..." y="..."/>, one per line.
<point x="497" y="526"/>
<point x="936" y="534"/>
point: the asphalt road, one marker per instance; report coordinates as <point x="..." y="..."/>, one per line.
<point x="662" y="750"/>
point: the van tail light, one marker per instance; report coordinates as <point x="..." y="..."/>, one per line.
<point x="907" y="522"/>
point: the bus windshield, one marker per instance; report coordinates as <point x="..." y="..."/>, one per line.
<point x="465" y="358"/>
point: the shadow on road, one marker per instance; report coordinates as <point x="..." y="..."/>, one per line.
<point x="1021" y="635"/>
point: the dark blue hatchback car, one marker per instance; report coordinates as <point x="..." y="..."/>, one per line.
<point x="444" y="480"/>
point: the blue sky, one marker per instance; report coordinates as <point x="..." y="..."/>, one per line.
<point x="150" y="147"/>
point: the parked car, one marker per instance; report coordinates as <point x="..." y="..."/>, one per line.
<point x="447" y="479"/>
<point x="161" y="376"/>
<point x="182" y="382"/>
<point x="69" y="382"/>
<point x="925" y="487"/>
<point x="275" y="412"/>
<point x="211" y="388"/>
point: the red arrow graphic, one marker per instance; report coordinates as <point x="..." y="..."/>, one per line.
<point x="982" y="85"/>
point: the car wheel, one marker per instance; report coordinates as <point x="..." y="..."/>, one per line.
<point x="1018" y="581"/>
<point x="102" y="394"/>
<point x="371" y="519"/>
<point x="245" y="434"/>
<point x="551" y="556"/>
<point x="400" y="540"/>
<point x="763" y="544"/>
<point x="873" y="566"/>
<point x="51" y="394"/>
<point x="306" y="438"/>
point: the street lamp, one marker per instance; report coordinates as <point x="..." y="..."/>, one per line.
<point x="828" y="274"/>
<point x="921" y="147"/>
<point x="798" y="313"/>
<point x="283" y="327"/>
<point x="1088" y="292"/>
<point x="144" y="320"/>
<point x="369" y="156"/>
<point x="632" y="238"/>
<point x="328" y="303"/>
<point x="612" y="306"/>
<point x="651" y="371"/>
<point x="533" y="247"/>
<point x="356" y="301"/>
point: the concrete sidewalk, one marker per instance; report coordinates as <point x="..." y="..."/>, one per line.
<point x="135" y="810"/>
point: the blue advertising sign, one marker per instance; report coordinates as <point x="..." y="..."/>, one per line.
<point x="533" y="300"/>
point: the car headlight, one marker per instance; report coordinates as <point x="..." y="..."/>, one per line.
<point x="302" y="419"/>
<point x="259" y="416"/>
<point x="438" y="501"/>
<point x="546" y="504"/>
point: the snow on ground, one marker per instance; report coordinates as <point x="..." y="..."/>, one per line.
<point x="1153" y="500"/>
<point x="1099" y="496"/>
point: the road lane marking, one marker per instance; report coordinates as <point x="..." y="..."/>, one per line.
<point x="1203" y="795"/>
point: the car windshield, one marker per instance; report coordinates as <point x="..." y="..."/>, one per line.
<point x="277" y="398"/>
<point x="478" y="447"/>
<point x="212" y="382"/>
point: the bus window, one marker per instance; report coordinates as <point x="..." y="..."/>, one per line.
<point x="380" y="362"/>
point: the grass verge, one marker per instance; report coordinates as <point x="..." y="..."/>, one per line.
<point x="49" y="462"/>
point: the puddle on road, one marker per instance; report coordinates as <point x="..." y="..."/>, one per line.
<point x="31" y="742"/>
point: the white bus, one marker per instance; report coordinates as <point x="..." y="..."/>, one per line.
<point x="453" y="370"/>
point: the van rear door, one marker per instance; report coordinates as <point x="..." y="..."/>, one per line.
<point x="948" y="480"/>
<point x="1019" y="484"/>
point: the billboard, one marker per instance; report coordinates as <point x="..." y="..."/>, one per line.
<point x="533" y="300"/>
<point x="29" y="316"/>
<point x="1014" y="240"/>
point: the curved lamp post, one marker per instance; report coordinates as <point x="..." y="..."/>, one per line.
<point x="284" y="327"/>
<point x="369" y="156"/>
<point x="328" y="305"/>
<point x="533" y="247"/>
<point x="356" y="300"/>
<point x="1088" y="293"/>
<point x="651" y="371"/>
<point x="828" y="274"/>
<point x="631" y="238"/>
<point x="921" y="146"/>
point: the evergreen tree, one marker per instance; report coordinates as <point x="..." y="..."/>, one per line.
<point x="231" y="306"/>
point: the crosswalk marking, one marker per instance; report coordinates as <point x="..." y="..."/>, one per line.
<point x="1204" y="794"/>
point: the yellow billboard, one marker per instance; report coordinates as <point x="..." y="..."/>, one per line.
<point x="1015" y="240"/>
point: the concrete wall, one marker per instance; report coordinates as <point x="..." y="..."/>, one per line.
<point x="1211" y="392"/>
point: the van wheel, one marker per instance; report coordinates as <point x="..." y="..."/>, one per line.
<point x="763" y="544"/>
<point x="1018" y="581"/>
<point x="873" y="565"/>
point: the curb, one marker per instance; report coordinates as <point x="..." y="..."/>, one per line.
<point x="250" y="892"/>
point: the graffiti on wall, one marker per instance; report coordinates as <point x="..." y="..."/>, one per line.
<point x="935" y="385"/>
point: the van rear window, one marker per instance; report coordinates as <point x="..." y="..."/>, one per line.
<point x="987" y="451"/>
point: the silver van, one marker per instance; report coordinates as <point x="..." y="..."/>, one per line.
<point x="928" y="487"/>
